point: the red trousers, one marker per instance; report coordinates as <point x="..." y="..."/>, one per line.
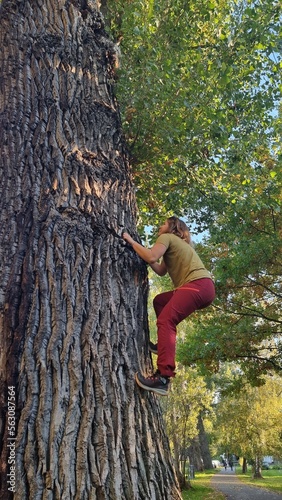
<point x="171" y="308"/>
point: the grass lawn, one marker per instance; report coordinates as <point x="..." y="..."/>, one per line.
<point x="272" y="479"/>
<point x="201" y="489"/>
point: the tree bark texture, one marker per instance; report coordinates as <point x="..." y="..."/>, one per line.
<point x="72" y="294"/>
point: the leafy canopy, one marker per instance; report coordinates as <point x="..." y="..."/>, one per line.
<point x="197" y="85"/>
<point x="249" y="423"/>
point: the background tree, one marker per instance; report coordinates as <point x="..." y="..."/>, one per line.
<point x="243" y="250"/>
<point x="249" y="422"/>
<point x="204" y="442"/>
<point x="73" y="296"/>
<point x="188" y="399"/>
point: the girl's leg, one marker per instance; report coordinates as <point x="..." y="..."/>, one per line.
<point x="183" y="302"/>
<point x="161" y="300"/>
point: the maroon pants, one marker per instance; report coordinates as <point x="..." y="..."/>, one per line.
<point x="171" y="308"/>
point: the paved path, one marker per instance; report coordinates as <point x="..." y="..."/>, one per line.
<point x="227" y="483"/>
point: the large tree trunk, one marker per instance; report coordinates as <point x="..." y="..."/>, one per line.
<point x="204" y="444"/>
<point x="72" y="294"/>
<point x="194" y="454"/>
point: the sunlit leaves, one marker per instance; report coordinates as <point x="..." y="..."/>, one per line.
<point x="188" y="397"/>
<point x="196" y="86"/>
<point x="250" y="422"/>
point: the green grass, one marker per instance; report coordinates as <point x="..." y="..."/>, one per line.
<point x="201" y="489"/>
<point x="272" y="479"/>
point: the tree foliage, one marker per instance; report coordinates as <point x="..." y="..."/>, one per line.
<point x="189" y="396"/>
<point x="244" y="252"/>
<point x="249" y="423"/>
<point x="197" y="85"/>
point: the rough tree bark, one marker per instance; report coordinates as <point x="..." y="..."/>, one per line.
<point x="72" y="294"/>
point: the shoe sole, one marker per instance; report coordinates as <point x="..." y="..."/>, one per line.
<point x="161" y="392"/>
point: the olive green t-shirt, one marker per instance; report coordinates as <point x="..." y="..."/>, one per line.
<point x="182" y="262"/>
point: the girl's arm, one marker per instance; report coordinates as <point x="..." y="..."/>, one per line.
<point x="150" y="255"/>
<point x="160" y="269"/>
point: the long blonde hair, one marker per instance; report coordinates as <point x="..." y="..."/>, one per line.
<point x="179" y="228"/>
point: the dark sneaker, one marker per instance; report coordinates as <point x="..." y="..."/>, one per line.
<point x="153" y="347"/>
<point x="156" y="383"/>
